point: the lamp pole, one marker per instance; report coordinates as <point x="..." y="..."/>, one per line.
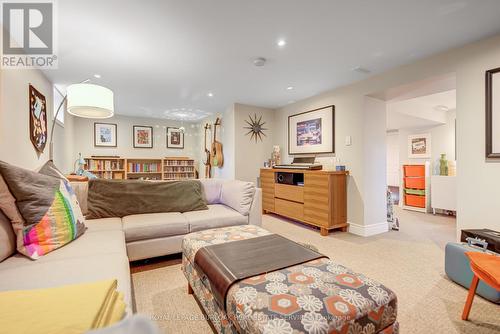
<point x="51" y="142"/>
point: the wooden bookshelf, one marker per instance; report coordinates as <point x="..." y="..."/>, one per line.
<point x="144" y="169"/>
<point x="178" y="168"/>
<point x="156" y="169"/>
<point x="106" y="167"/>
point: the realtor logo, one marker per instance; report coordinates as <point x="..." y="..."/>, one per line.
<point x="28" y="35"/>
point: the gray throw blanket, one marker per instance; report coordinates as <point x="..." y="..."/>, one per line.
<point x="119" y="198"/>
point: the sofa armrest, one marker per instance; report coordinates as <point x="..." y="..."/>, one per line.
<point x="81" y="190"/>
<point x="255" y="215"/>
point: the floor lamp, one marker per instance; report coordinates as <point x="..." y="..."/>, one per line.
<point x="84" y="100"/>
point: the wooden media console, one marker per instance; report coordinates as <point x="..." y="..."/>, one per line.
<point x="314" y="197"/>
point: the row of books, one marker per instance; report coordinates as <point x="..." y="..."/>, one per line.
<point x="109" y="175"/>
<point x="179" y="169"/>
<point x="144" y="167"/>
<point x="97" y="165"/>
<point x="179" y="162"/>
<point x="184" y="176"/>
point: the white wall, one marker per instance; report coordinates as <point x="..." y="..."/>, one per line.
<point x="84" y="138"/>
<point x="393" y="162"/>
<point x="225" y="135"/>
<point x="15" y="144"/>
<point x="349" y="108"/>
<point x="474" y="175"/>
<point x="442" y="141"/>
<point x="249" y="169"/>
<point x="242" y="158"/>
<point x="374" y="156"/>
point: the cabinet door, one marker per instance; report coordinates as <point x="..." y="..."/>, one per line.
<point x="317" y="199"/>
<point x="267" y="184"/>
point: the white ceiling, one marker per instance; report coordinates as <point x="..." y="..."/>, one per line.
<point x="162" y="56"/>
<point x="420" y="112"/>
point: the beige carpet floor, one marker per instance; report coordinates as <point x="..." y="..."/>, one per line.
<point x="410" y="262"/>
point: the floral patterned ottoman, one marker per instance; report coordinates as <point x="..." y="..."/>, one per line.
<point x="319" y="296"/>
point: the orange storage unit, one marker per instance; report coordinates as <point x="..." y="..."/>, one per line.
<point x="415" y="182"/>
<point x="414" y="170"/>
<point x="415" y="200"/>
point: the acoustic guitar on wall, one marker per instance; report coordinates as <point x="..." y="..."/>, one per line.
<point x="217" y="157"/>
<point x="206" y="160"/>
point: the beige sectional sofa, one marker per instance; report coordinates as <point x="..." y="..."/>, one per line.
<point x="105" y="249"/>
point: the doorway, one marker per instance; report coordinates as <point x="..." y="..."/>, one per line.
<point x="420" y="146"/>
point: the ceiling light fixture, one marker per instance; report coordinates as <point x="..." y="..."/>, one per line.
<point x="289" y="88"/>
<point x="281" y="43"/>
<point x="260" y="61"/>
<point x="210" y="94"/>
<point x="97" y="76"/>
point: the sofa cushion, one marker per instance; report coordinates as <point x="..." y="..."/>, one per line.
<point x="52" y="216"/>
<point x="70" y="271"/>
<point x="104" y="224"/>
<point x="7" y="238"/>
<point x="238" y="195"/>
<point x="154" y="225"/>
<point x="142" y="197"/>
<point x="218" y="215"/>
<point x="89" y="244"/>
<point x="8" y="204"/>
<point x="211" y="190"/>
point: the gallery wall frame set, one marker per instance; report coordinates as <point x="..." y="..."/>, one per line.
<point x="492" y="78"/>
<point x="312" y="132"/>
<point x="175" y="138"/>
<point x="105" y="135"/>
<point x="142" y="136"/>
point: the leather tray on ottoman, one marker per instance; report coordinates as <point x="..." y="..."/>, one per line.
<point x="318" y="296"/>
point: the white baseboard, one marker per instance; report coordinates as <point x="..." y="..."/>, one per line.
<point x="368" y="230"/>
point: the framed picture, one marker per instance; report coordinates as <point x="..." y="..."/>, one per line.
<point x="104" y="135"/>
<point x="38" y="119"/>
<point x="493" y="114"/>
<point x="419" y="146"/>
<point x="175" y="138"/>
<point x="312" y="132"/>
<point x="143" y="136"/>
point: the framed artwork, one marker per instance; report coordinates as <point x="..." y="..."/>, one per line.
<point x="312" y="132"/>
<point x="38" y="119"/>
<point x="175" y="138"/>
<point x="143" y="136"/>
<point x="493" y="114"/>
<point x="104" y="135"/>
<point x="419" y="146"/>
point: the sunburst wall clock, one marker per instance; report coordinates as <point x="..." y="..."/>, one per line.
<point x="256" y="127"/>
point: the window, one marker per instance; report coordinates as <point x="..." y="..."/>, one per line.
<point x="58" y="97"/>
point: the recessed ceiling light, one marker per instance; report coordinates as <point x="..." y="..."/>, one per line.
<point x="259" y="61"/>
<point x="289" y="88"/>
<point x="281" y="43"/>
<point x="97" y="76"/>
<point x="210" y="94"/>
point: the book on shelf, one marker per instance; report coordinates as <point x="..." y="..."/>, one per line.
<point x="134" y="167"/>
<point x="103" y="165"/>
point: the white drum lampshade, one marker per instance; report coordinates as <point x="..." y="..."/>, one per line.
<point x="90" y="101"/>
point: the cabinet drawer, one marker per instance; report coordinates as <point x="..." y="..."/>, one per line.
<point x="289" y="209"/>
<point x="289" y="192"/>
